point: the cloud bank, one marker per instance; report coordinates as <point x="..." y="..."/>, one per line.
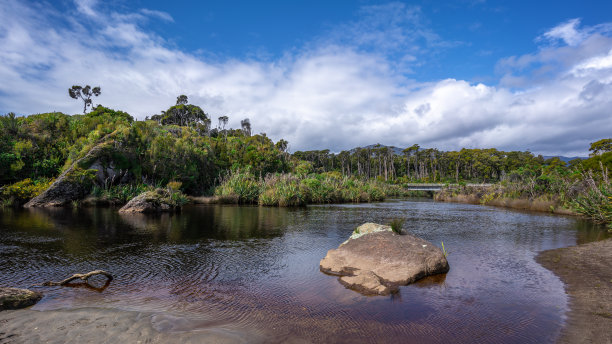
<point x="337" y="93"/>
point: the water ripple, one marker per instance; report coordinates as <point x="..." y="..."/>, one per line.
<point x="257" y="269"/>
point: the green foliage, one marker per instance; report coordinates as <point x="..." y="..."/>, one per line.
<point x="84" y="178"/>
<point x="601" y="146"/>
<point x="184" y="114"/>
<point x="119" y="194"/>
<point x="596" y="201"/>
<point x="178" y="149"/>
<point x="397" y="224"/>
<point x="596" y="161"/>
<point x="169" y="196"/>
<point x="281" y="190"/>
<point x="19" y="193"/>
<point x="294" y="190"/>
<point x="44" y="145"/>
<point x="239" y="187"/>
<point x="84" y="93"/>
<point x="303" y="167"/>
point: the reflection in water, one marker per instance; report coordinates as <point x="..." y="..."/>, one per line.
<point x="88" y="285"/>
<point x="258" y="268"/>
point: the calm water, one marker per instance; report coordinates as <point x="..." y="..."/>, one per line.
<point x="256" y="270"/>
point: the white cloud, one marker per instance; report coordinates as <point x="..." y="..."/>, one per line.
<point x="568" y="32"/>
<point x="159" y="14"/>
<point x="572" y="34"/>
<point x="331" y="94"/>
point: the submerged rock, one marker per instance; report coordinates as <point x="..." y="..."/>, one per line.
<point x="155" y="201"/>
<point x="14" y="298"/>
<point x="375" y="260"/>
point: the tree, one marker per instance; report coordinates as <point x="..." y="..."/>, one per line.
<point x="282" y="145"/>
<point x="223" y="122"/>
<point x="246" y="126"/>
<point x="85" y="94"/>
<point x="181" y="100"/>
<point x="184" y="114"/>
<point x="9" y="124"/>
<point x="600" y="147"/>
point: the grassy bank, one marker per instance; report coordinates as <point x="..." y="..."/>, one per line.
<point x="286" y="189"/>
<point x="585" y="194"/>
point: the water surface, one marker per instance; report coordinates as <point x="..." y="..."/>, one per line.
<point x="256" y="269"/>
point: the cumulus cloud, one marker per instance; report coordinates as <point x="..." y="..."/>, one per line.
<point x="333" y="93"/>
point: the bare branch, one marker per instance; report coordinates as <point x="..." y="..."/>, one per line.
<point x="83" y="277"/>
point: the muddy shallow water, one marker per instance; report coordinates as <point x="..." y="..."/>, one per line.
<point x="254" y="271"/>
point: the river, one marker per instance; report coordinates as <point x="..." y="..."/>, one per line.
<point x="255" y="270"/>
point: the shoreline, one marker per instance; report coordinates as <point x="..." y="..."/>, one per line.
<point x="101" y="325"/>
<point x="510" y="203"/>
<point x="586" y="271"/>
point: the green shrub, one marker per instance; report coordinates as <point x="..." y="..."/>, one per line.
<point x="19" y="193"/>
<point x="84" y="178"/>
<point x="281" y="190"/>
<point x="596" y="202"/>
<point x="173" y="198"/>
<point x="239" y="187"/>
<point x="119" y="194"/>
<point x="397" y="224"/>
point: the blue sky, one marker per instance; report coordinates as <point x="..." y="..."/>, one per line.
<point x="322" y="74"/>
<point x="472" y="35"/>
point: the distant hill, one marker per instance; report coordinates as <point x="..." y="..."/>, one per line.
<point x="564" y="158"/>
<point x="399" y="151"/>
<point x="396" y="150"/>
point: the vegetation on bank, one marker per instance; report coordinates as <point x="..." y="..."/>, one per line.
<point x="562" y="191"/>
<point x="287" y="189"/>
<point x="117" y="157"/>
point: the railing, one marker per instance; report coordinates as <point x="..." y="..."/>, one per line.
<point x="437" y="187"/>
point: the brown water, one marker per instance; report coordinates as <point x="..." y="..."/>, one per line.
<point x="255" y="270"/>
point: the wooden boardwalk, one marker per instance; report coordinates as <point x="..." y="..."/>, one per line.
<point x="438" y="187"/>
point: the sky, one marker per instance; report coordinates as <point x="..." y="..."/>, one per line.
<point x="514" y="75"/>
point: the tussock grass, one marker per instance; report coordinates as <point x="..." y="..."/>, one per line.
<point x="397" y="224"/>
<point x="286" y="189"/>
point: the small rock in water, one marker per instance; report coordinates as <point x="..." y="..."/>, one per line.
<point x="149" y="202"/>
<point x="14" y="298"/>
<point x="375" y="260"/>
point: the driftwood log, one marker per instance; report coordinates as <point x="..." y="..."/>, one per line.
<point x="83" y="277"/>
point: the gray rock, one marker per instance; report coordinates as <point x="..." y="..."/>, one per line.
<point x="14" y="298"/>
<point x="67" y="188"/>
<point x="75" y="183"/>
<point x="63" y="191"/>
<point x="108" y="174"/>
<point x="377" y="262"/>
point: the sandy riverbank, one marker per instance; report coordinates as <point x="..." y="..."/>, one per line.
<point x="94" y="325"/>
<point x="586" y="271"/>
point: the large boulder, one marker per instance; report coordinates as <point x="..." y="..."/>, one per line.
<point x="73" y="184"/>
<point x="96" y="167"/>
<point x="376" y="260"/>
<point x="156" y="201"/>
<point x="13" y="298"/>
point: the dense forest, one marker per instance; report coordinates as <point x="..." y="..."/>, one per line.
<point x="156" y="151"/>
<point x="431" y="165"/>
<point x="182" y="146"/>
